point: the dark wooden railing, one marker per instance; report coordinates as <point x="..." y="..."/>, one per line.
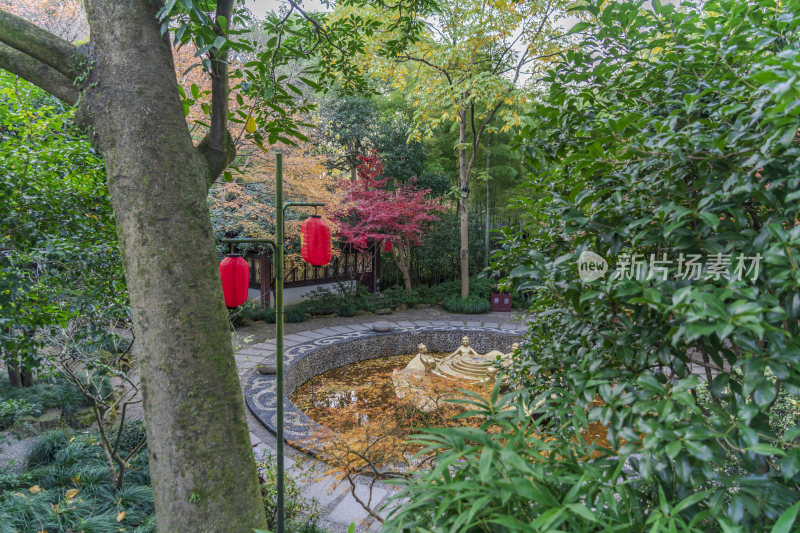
<point x="349" y="265"/>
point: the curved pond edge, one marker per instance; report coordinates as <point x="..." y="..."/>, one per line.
<point x="309" y="359"/>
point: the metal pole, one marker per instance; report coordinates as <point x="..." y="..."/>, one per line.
<point x="279" y="240"/>
<point x="277" y="247"/>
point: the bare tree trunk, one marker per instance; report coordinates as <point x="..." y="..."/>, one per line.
<point x="463" y="203"/>
<point x="402" y="258"/>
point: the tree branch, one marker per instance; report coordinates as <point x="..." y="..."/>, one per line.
<point x="217" y="146"/>
<point x="38" y="74"/>
<point x="40" y="44"/>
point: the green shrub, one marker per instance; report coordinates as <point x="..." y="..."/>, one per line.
<point x="13" y="409"/>
<point x="300" y="513"/>
<point x="472" y="305"/>
<point x="132" y="435"/>
<point x="435" y="294"/>
<point x="506" y="479"/>
<point x="347" y="309"/>
<point x="635" y="167"/>
<point x="364" y="300"/>
<point x="296" y="314"/>
<point x="395" y="296"/>
<point x="253" y="311"/>
<point x="323" y="301"/>
<point x="59" y="392"/>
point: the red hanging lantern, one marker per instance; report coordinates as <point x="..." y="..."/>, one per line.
<point x="315" y="241"/>
<point x="235" y="274"/>
<point x="387" y="246"/>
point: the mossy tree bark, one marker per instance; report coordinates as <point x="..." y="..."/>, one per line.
<point x="124" y="84"/>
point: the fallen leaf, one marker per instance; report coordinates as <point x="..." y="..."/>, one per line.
<point x="71" y="493"/>
<point x="76" y="479"/>
<point x="120" y="516"/>
<point x="35" y="489"/>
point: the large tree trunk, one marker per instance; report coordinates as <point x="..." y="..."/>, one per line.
<point x="201" y="460"/>
<point x="463" y="203"/>
<point x="14" y="376"/>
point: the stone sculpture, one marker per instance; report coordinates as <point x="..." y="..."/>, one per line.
<point x="463" y="364"/>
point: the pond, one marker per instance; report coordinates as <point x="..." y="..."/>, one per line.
<point x="363" y="394"/>
<point x="360" y="401"/>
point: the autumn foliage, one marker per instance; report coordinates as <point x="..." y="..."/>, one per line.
<point x="377" y="209"/>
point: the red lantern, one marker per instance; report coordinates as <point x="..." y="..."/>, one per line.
<point x="387" y="246"/>
<point x="315" y="241"/>
<point x="235" y="274"/>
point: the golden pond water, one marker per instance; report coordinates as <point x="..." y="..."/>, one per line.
<point x="360" y="399"/>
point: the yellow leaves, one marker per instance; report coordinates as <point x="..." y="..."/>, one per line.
<point x="250" y="125"/>
<point x="36" y="489"/>
<point x="71" y="493"/>
<point x="120" y="516"/>
<point x="76" y="479"/>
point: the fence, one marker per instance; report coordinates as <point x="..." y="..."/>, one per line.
<point x="349" y="265"/>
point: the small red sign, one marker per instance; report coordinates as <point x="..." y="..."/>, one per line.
<point x="501" y="301"/>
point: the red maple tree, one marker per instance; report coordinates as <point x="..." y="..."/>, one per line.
<point x="375" y="209"/>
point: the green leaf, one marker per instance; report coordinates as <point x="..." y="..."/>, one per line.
<point x="485" y="464"/>
<point x="790" y="465"/>
<point x="579" y="27"/>
<point x="699" y="450"/>
<point x="764" y="393"/>
<point x="582" y="511"/>
<point x="691" y="500"/>
<point x="766" y="449"/>
<point x="786" y="521"/>
<point x="673" y="449"/>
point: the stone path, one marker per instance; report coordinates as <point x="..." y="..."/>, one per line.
<point x="337" y="505"/>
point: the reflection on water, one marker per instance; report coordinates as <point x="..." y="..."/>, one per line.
<point x="361" y="387"/>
